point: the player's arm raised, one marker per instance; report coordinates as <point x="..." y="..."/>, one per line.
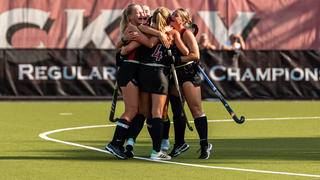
<point x="193" y="47"/>
<point x="148" y="42"/>
<point x="162" y="36"/>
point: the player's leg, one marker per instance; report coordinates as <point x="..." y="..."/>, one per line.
<point x="130" y="95"/>
<point x="179" y="124"/>
<point x="193" y="97"/>
<point x="158" y="102"/>
<point x="138" y="122"/>
<point x="165" y="143"/>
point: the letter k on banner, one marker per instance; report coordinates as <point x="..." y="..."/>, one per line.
<point x="218" y="28"/>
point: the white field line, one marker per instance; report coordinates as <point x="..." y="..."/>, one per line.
<point x="45" y="136"/>
<point x="264" y="119"/>
<point x="65" y="114"/>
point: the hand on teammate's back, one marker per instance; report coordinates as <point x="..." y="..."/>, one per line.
<point x="164" y="40"/>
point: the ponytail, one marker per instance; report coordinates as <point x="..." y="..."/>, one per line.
<point x="125" y="18"/>
<point x="160" y="17"/>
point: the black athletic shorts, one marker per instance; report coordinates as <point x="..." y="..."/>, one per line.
<point x="128" y="71"/>
<point x="153" y="80"/>
<point x="189" y="73"/>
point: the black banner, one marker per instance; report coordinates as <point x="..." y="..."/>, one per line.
<point x="263" y="74"/>
<point x="59" y="73"/>
<point x="89" y="73"/>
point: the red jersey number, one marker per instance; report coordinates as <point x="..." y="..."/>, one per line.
<point x="157" y="53"/>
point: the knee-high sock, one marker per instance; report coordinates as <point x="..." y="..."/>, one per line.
<point x="166" y="128"/>
<point x="120" y="133"/>
<point x="178" y="120"/>
<point x="157" y="128"/>
<point x="201" y="124"/>
<point x="149" y="126"/>
<point x="136" y="126"/>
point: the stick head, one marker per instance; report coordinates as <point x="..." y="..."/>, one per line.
<point x="242" y="119"/>
<point x="239" y="121"/>
<point x="195" y="29"/>
<point x="113" y="120"/>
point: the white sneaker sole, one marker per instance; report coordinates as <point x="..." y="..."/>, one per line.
<point x="181" y="151"/>
<point x="160" y="159"/>
<point x="209" y="151"/>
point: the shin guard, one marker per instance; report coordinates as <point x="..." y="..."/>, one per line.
<point x="121" y="132"/>
<point x="157" y="128"/>
<point x="166" y="128"/>
<point x="201" y="124"/>
<point x="178" y="120"/>
<point x="136" y="126"/>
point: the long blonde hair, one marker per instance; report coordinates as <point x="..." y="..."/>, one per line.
<point x="160" y="17"/>
<point x="185" y="16"/>
<point x="125" y="19"/>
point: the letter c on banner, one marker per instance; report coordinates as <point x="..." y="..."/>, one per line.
<point x="213" y="73"/>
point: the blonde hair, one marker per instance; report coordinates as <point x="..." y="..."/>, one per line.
<point x="160" y="17"/>
<point x="125" y="19"/>
<point x="185" y="16"/>
<point x="146" y="7"/>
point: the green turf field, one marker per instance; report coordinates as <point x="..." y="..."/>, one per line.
<point x="290" y="145"/>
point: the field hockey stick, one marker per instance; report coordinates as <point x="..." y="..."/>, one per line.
<point x="175" y="78"/>
<point x="224" y="102"/>
<point x="196" y="29"/>
<point x="114" y="102"/>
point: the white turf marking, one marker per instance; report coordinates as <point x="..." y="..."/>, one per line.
<point x="65" y="114"/>
<point x="44" y="136"/>
<point x="264" y="119"/>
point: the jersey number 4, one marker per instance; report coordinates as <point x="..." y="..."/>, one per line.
<point x="157" y="53"/>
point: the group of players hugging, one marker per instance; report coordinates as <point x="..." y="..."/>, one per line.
<point x="149" y="45"/>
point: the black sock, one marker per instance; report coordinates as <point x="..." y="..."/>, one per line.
<point x="157" y="128"/>
<point x="120" y="133"/>
<point x="166" y="128"/>
<point x="136" y="126"/>
<point x="178" y="120"/>
<point x="149" y="126"/>
<point x="201" y="124"/>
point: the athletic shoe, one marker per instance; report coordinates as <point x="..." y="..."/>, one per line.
<point x="178" y="149"/>
<point x="159" y="156"/>
<point x="130" y="154"/>
<point x="130" y="144"/>
<point x="129" y="148"/>
<point x="118" y="151"/>
<point x="205" y="151"/>
<point x="165" y="145"/>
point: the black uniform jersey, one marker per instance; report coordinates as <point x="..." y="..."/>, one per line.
<point x="157" y="54"/>
<point x="175" y="49"/>
<point x="137" y="54"/>
<point x="186" y="72"/>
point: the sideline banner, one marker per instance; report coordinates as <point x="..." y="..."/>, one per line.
<point x="65" y="48"/>
<point x="94" y="24"/>
<point x="57" y="73"/>
<point x="237" y="74"/>
<point x="263" y="74"/>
